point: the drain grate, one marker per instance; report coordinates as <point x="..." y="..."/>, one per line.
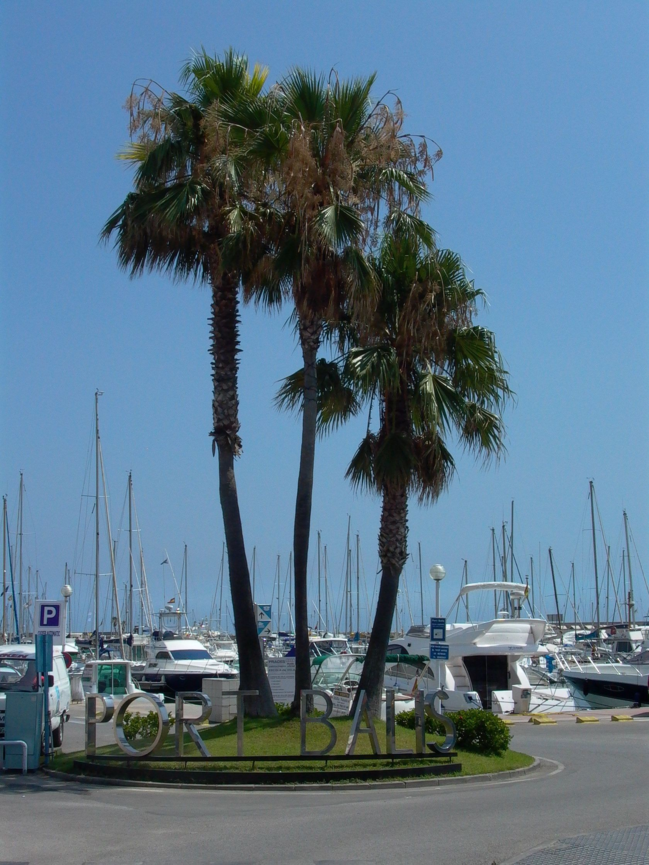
<point x="618" y="847"/>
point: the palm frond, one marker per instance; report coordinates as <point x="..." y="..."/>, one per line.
<point x="434" y="468"/>
<point x="406" y="180"/>
<point x="339" y="225"/>
<point x="337" y="399"/>
<point x="360" y="472"/>
<point x="401" y="223"/>
<point x="483" y="434"/>
<point x="352" y="104"/>
<point x="304" y="95"/>
<point x="375" y="366"/>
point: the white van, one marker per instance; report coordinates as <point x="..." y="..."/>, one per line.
<point x="18" y="673"/>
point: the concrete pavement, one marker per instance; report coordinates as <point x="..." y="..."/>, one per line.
<point x="601" y="788"/>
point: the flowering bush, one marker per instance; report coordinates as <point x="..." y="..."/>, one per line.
<point x="477" y="729"/>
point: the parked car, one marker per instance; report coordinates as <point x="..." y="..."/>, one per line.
<point x="18" y="673"/>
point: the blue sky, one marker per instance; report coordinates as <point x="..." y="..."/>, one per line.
<point x="541" y="111"/>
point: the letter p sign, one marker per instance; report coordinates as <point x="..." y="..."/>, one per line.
<point x="50" y="615"/>
<point x="49" y="618"/>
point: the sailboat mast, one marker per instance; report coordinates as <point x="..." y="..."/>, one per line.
<point x="319" y="594"/>
<point x="290" y="584"/>
<point x="279" y="612"/>
<point x="19" y="532"/>
<point x="532" y="583"/>
<point x="142" y="587"/>
<point x="628" y="558"/>
<point x="592" y="520"/>
<point x="556" y="597"/>
<point x="347" y="598"/>
<point x="511" y="545"/>
<point x="186" y="581"/>
<point x="97" y="395"/>
<point x="4" y="569"/>
<point x="326" y="592"/>
<point x="421" y="585"/>
<point x="111" y="547"/>
<point x="130" y="555"/>
<point x="574" y="594"/>
<point x="493" y="567"/>
<point x="358" y="584"/>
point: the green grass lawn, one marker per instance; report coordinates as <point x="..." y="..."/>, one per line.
<point x="281" y="736"/>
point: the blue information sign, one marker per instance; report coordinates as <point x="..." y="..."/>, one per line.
<point x="439" y="651"/>
<point x="437" y="630"/>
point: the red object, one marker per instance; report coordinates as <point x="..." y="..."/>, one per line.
<point x="67" y="657"/>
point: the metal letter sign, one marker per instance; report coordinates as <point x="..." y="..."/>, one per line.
<point x="437" y="630"/>
<point x="49" y="618"/>
<point x="439" y="651"/>
<point x="263" y="619"/>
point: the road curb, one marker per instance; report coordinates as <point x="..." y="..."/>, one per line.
<point x="509" y="774"/>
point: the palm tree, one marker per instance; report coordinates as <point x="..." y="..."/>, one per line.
<point x="335" y="163"/>
<point x="189" y="196"/>
<point x="432" y="373"/>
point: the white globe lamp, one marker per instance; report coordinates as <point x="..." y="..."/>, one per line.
<point x="66" y="591"/>
<point x="437" y="573"/>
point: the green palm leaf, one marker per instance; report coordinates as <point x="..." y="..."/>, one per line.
<point x="339" y="225"/>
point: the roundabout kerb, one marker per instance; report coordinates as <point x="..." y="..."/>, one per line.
<point x="148" y="763"/>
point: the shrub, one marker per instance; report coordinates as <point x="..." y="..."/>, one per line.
<point x="141" y="726"/>
<point x="477" y="729"/>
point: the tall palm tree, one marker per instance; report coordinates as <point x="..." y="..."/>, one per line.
<point x="433" y="374"/>
<point x="189" y="195"/>
<point x="335" y="164"/>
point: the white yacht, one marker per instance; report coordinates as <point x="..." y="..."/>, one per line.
<point x="609" y="683"/>
<point x="488" y="658"/>
<point x="176" y="664"/>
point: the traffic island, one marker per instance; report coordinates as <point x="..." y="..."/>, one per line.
<point x="272" y="757"/>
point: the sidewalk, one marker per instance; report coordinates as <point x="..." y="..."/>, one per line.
<point x="640" y="714"/>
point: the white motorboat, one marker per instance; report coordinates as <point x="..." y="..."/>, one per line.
<point x="488" y="657"/>
<point x="609" y="683"/>
<point x="339" y="676"/>
<point x="175" y="664"/>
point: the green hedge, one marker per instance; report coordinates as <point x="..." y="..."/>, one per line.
<point x="477" y="729"/>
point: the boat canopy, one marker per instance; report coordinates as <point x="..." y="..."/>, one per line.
<point x="517" y="590"/>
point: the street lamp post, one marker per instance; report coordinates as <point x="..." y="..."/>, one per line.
<point x="437" y="573"/>
<point x="66" y="591"/>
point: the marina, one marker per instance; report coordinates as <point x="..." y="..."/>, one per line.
<point x="323" y="433"/>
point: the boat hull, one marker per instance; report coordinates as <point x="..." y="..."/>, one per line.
<point x="172" y="683"/>
<point x="613" y="690"/>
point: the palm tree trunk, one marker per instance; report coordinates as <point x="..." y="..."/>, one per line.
<point x="310" y="330"/>
<point x="225" y="435"/>
<point x="393" y="535"/>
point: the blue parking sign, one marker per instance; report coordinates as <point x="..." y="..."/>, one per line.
<point x="49" y="615"/>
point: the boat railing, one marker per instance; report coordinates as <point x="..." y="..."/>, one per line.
<point x="612" y="665"/>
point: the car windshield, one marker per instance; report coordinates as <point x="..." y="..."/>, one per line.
<point x="17" y="674"/>
<point x="191" y="655"/>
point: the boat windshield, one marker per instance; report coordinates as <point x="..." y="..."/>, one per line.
<point x="18" y="674"/>
<point x="191" y="655"/>
<point x="335" y="670"/>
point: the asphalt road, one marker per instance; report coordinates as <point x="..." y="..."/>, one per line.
<point x="602" y="786"/>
